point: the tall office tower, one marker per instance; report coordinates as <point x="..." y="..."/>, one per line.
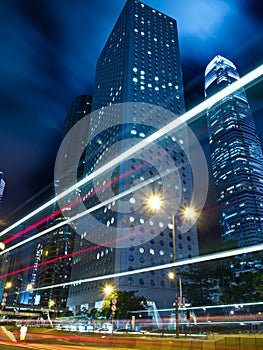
<point x="2" y="185"/>
<point x="236" y="157"/>
<point x="60" y="242"/>
<point x="140" y="67"/>
<point x="27" y="294"/>
<point x="80" y="107"/>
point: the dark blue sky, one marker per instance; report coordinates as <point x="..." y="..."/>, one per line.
<point x="48" y="52"/>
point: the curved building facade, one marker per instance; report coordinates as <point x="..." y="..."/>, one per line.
<point x="139" y="66"/>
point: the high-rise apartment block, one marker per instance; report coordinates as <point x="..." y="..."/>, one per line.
<point x="138" y="89"/>
<point x="236" y="157"/>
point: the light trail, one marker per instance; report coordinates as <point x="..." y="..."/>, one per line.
<point x="84" y="197"/>
<point x="79" y="215"/>
<point x="191" y="115"/>
<point x="203" y="307"/>
<point x="207" y="257"/>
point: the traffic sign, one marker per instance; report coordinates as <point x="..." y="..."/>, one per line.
<point x="114" y="301"/>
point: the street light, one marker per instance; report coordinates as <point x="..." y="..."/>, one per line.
<point x="8" y="285"/>
<point x="29" y="287"/>
<point x="50" y="304"/>
<point x="155" y="202"/>
<point x="108" y="291"/>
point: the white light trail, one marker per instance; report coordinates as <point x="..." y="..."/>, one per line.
<point x="79" y="215"/>
<point x="194" y="260"/>
<point x="194" y="113"/>
<point x="204" y="307"/>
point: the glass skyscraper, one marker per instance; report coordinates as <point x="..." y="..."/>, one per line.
<point x="236" y="157"/>
<point x="2" y="185"/>
<point x="138" y="89"/>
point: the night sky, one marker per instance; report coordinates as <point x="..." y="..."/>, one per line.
<point x="48" y="54"/>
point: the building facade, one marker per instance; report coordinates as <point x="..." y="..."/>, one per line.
<point x="60" y="242"/>
<point x="138" y="89"/>
<point x="236" y="157"/>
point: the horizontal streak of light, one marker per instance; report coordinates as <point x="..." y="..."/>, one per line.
<point x="186" y="117"/>
<point x="33" y="226"/>
<point x="195" y="260"/>
<point x="207" y="307"/>
<point x="225" y="322"/>
<point x="84" y="197"/>
<point x="79" y="215"/>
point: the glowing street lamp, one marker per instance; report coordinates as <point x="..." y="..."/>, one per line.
<point x="108" y="290"/>
<point x="29" y="287"/>
<point x="51" y="303"/>
<point x="154" y="202"/>
<point x="189" y="213"/>
<point x="8" y="285"/>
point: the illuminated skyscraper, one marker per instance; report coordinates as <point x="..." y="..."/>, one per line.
<point x="140" y="63"/>
<point x="80" y="107"/>
<point x="2" y="185"/>
<point x="60" y="242"/>
<point x="236" y="157"/>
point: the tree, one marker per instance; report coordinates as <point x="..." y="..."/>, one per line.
<point x="237" y="279"/>
<point x="198" y="284"/>
<point x="126" y="302"/>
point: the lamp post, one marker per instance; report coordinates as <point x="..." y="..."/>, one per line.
<point x="50" y="304"/>
<point x="108" y="291"/>
<point x="154" y="202"/>
<point x="8" y="285"/>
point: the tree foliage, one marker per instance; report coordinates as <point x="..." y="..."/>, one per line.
<point x="127" y="301"/>
<point x="233" y="280"/>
